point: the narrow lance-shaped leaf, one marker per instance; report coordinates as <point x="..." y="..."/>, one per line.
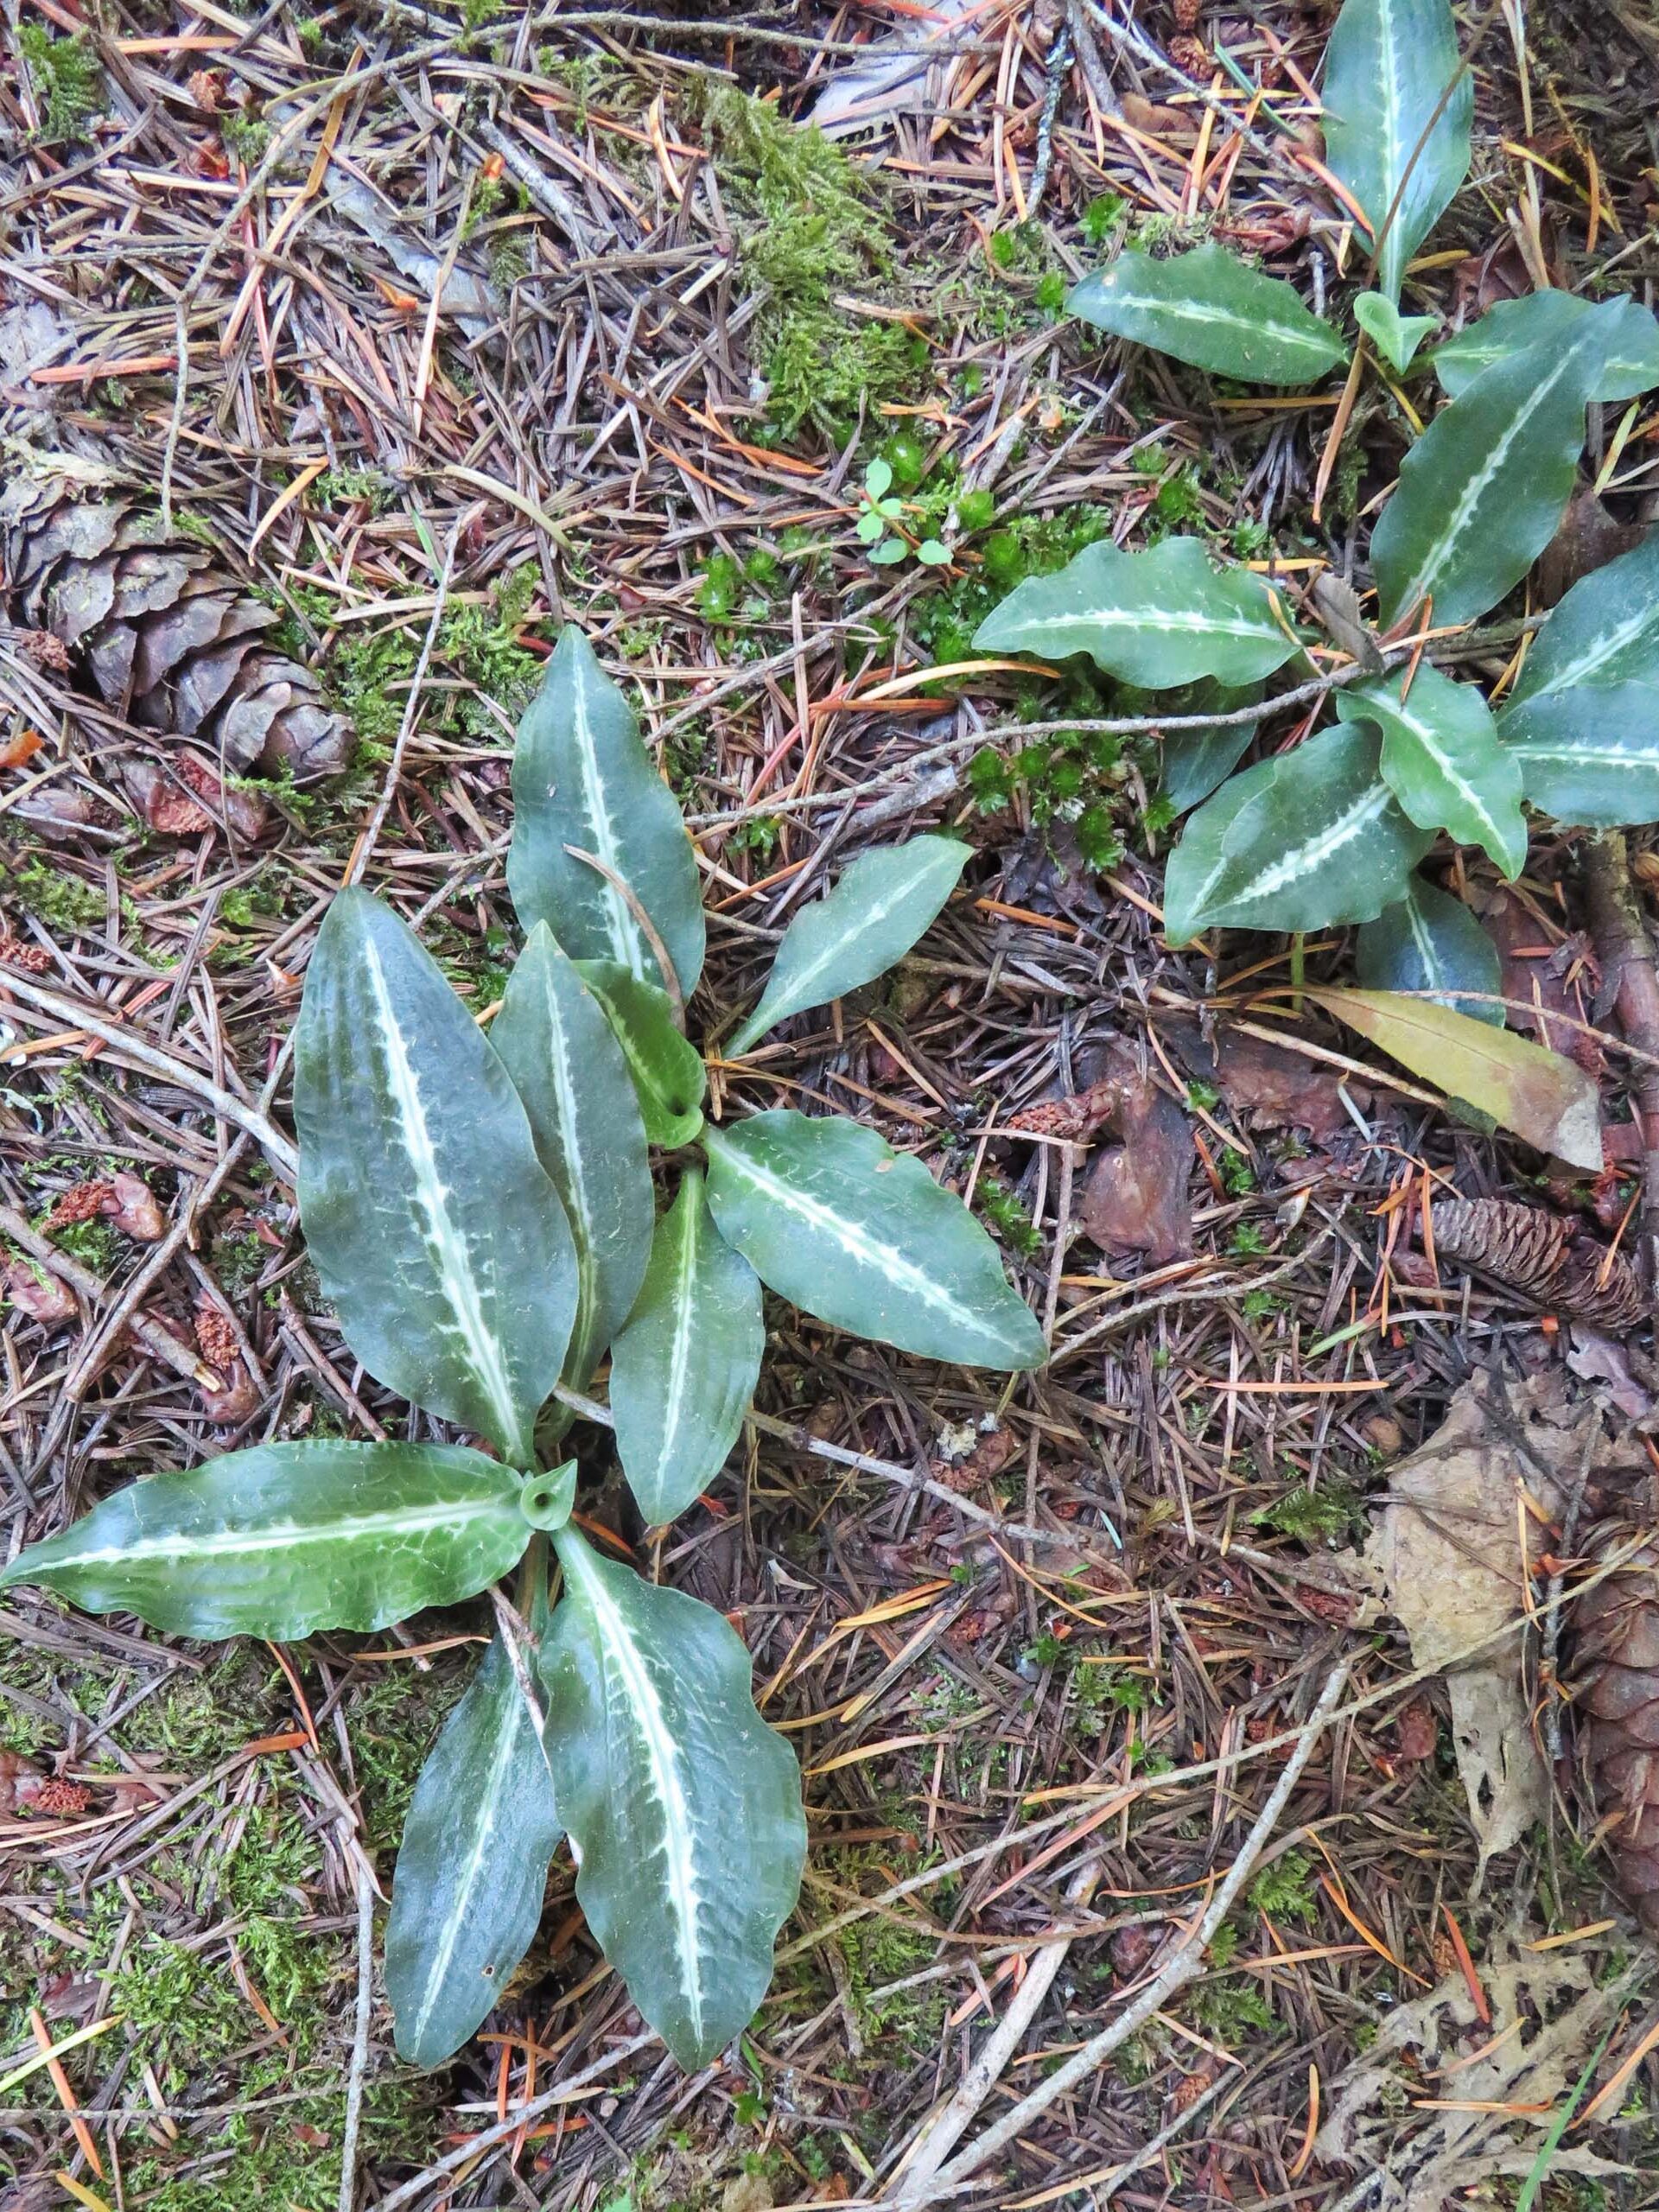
<point x="1311" y="837"/>
<point x="1430" y="941"/>
<point x="1589" y="756"/>
<point x="684" y="1807"/>
<point x="581" y="778"/>
<point x="1209" y="308"/>
<point x="1160" y="618"/>
<point x="832" y="1218"/>
<point x="573" y="1076"/>
<point x="432" y="1224"/>
<point x="882" y="905"/>
<point x="286" y="1538"/>
<point x="1633" y="365"/>
<point x="684" y="1371"/>
<point x="1386" y="67"/>
<point x="1442" y="760"/>
<point x="669" y="1077"/>
<point x="1541" y="1096"/>
<point x="466" y="1896"/>
<point x="1482" y="491"/>
<point x="1604" y="632"/>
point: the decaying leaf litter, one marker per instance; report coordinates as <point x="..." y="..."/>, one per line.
<point x="1033" y="1751"/>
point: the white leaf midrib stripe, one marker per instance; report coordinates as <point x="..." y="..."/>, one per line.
<point x="446" y="1245"/>
<point x="1196" y="623"/>
<point x="501" y="1756"/>
<point x="569" y="1138"/>
<point x="617" y="1649"/>
<point x="1316" y="851"/>
<point x="1597" y="654"/>
<point x="625" y="930"/>
<point x="1439" y="759"/>
<point x="1202" y="311"/>
<point x="445" y="1514"/>
<point x="1462" y="513"/>
<point x="883" y="907"/>
<point x="856" y="1242"/>
<point x="679" y="1364"/>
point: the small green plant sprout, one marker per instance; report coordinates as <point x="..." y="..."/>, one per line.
<point x="481" y="1212"/>
<point x="880" y="527"/>
<point x="1334" y="830"/>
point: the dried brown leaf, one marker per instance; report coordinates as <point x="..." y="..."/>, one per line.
<point x="1537" y="1095"/>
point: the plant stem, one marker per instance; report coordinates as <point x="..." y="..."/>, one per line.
<point x="1624" y="947"/>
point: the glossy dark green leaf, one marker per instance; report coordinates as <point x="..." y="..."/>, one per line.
<point x="684" y="1807"/>
<point x="684" y="1371"/>
<point x="1160" y="618"/>
<point x="581" y="778"/>
<point x="1309" y="838"/>
<point x="1195" y="761"/>
<point x="883" y="902"/>
<point x="1209" y="308"/>
<point x="669" y="1077"/>
<point x="1589" y="756"/>
<point x="1442" y="760"/>
<point x="1482" y="491"/>
<point x="573" y="1078"/>
<point x="832" y="1218"/>
<point x="431" y="1222"/>
<point x="1396" y="336"/>
<point x="1387" y="66"/>
<point x="466" y="1896"/>
<point x="1606" y="631"/>
<point x="1632" y="365"/>
<point x="1430" y="941"/>
<point x="286" y="1538"/>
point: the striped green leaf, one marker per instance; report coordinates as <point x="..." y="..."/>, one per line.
<point x="1482" y="491"/>
<point x="1631" y="367"/>
<point x="669" y="1077"/>
<point x="684" y="1371"/>
<point x="1161" y="618"/>
<point x="1442" y="760"/>
<point x="832" y="1218"/>
<point x="882" y="905"/>
<point x="1312" y="837"/>
<point x="431" y="1222"/>
<point x="684" y="1807"/>
<point x="582" y="782"/>
<point x="286" y="1538"/>
<point x="466" y="1896"/>
<point x="1387" y="64"/>
<point x="1431" y="942"/>
<point x="1589" y="756"/>
<point x="1209" y="308"/>
<point x="1604" y="632"/>
<point x="573" y="1076"/>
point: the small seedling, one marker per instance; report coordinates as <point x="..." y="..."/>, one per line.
<point x="880" y="526"/>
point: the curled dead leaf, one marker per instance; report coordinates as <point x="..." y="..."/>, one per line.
<point x="40" y="1294"/>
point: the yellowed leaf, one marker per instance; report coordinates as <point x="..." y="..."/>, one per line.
<point x="1537" y="1095"/>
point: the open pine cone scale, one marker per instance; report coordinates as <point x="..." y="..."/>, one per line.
<point x="168" y="638"/>
<point x="1616" y="1627"/>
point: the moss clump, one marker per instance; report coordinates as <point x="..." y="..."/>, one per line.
<point x="67" y="80"/>
<point x="1314" y="1516"/>
<point x="816" y="227"/>
<point x="55" y="895"/>
<point x="1007" y="1216"/>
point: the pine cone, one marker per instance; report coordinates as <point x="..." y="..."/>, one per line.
<point x="1617" y="1666"/>
<point x="169" y="639"/>
<point x="1535" y="1253"/>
